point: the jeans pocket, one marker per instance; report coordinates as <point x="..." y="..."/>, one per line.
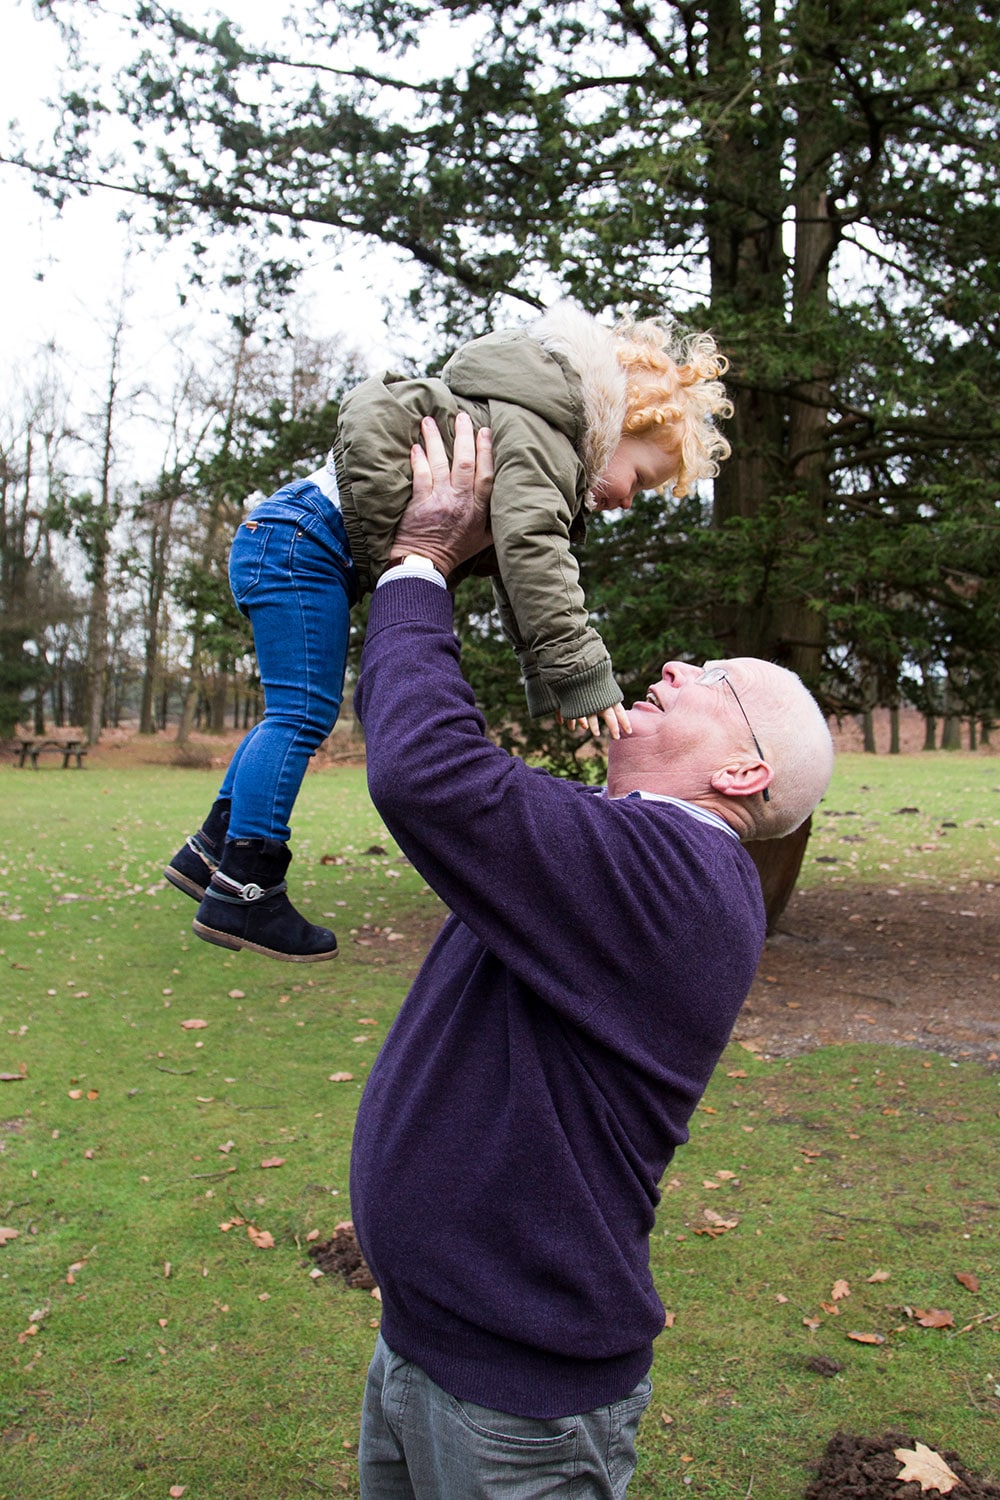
<point x="246" y="559"/>
<point x="625" y="1416"/>
<point x="504" y="1430"/>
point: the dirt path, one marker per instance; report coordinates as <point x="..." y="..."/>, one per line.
<point x="918" y="967"/>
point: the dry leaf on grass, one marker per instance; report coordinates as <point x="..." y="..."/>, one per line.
<point x="260" y="1237"/>
<point x="968" y="1279"/>
<point x="273" y="1161"/>
<point x="340" y="1078"/>
<point x="193" y="1025"/>
<point x="931" y="1317"/>
<point x="8" y="1234"/>
<point x="921" y="1465"/>
<point x="715" y="1223"/>
<point x="867" y="1338"/>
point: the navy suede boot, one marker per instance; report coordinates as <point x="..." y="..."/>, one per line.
<point x="245" y="906"/>
<point x="197" y="859"/>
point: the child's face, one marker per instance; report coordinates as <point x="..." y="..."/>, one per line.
<point x="638" y="463"/>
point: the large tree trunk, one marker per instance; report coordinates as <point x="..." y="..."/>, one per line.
<point x="777" y="436"/>
<point x="778" y="864"/>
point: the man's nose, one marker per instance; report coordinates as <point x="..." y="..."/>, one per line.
<point x="677" y="671"/>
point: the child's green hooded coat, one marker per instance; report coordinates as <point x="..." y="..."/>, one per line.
<point x="553" y="394"/>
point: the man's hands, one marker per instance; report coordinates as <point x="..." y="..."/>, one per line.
<point x="446" y="518"/>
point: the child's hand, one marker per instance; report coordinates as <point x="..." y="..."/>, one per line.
<point x="616" y="720"/>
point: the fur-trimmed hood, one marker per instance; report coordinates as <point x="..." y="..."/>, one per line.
<point x="589" y="348"/>
<point x="587" y="403"/>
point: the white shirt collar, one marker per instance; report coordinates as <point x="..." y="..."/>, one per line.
<point x="701" y="814"/>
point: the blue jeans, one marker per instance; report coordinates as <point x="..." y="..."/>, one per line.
<point x="419" y="1443"/>
<point x="291" y="574"/>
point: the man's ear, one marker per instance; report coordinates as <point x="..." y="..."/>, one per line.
<point x="743" y="779"/>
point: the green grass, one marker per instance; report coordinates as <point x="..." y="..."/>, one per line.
<point x="949" y="833"/>
<point x="169" y="1351"/>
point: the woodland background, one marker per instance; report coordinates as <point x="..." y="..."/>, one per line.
<point x="816" y="182"/>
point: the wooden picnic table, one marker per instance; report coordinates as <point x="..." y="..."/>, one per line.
<point x="68" y="749"/>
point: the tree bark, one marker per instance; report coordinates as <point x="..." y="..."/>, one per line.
<point x="778" y="864"/>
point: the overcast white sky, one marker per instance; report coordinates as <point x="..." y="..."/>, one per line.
<point x="62" y="276"/>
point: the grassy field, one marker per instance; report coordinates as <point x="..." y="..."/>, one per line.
<point x="159" y="1326"/>
<point x="898" y="819"/>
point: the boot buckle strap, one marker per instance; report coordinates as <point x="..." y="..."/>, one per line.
<point x="195" y="842"/>
<point x="251" y="891"/>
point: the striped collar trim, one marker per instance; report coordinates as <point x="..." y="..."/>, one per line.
<point x="700" y="814"/>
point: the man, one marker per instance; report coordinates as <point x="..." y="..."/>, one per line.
<point x="554" y="1045"/>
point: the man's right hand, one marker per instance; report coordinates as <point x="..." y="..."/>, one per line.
<point x="447" y="516"/>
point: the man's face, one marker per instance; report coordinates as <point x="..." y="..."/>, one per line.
<point x="684" y="730"/>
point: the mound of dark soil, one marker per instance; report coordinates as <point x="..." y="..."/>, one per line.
<point x="866" y="1468"/>
<point x="340" y="1255"/>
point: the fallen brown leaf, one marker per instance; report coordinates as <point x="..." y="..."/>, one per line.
<point x="8" y="1234"/>
<point x="193" y="1025"/>
<point x="968" y="1279"/>
<point x="921" y="1465"/>
<point x="867" y="1338"/>
<point x="715" y="1224"/>
<point x="932" y="1317"/>
<point x="273" y="1161"/>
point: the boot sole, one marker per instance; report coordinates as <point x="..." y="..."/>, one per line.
<point x="185" y="884"/>
<point x="227" y="940"/>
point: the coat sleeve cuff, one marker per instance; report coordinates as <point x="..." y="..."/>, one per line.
<point x="588" y="692"/>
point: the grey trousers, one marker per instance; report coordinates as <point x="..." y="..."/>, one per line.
<point x="419" y="1443"/>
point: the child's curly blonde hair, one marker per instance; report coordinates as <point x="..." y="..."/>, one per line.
<point x="673" y="392"/>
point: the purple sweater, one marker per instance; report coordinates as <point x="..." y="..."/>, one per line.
<point x="545" y="1064"/>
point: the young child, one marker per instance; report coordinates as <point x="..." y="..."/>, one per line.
<point x="583" y="417"/>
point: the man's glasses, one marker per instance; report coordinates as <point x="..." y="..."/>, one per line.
<point x="709" y="678"/>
